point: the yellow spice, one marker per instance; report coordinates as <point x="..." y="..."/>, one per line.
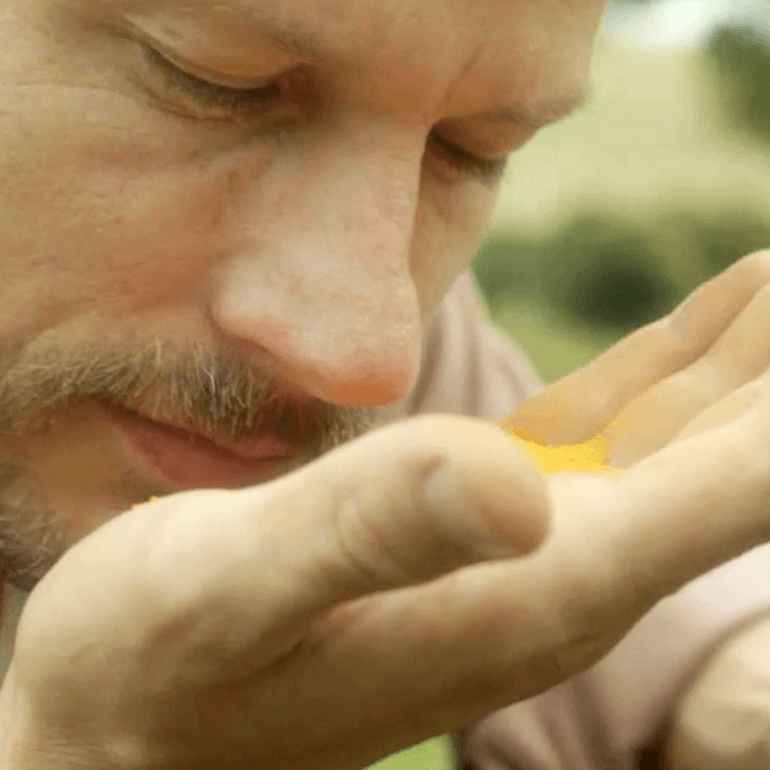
<point x="138" y="505"/>
<point x="588" y="457"/>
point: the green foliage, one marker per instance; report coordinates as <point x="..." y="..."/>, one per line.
<point x="609" y="272"/>
<point x="740" y="60"/>
<point x="554" y="342"/>
<point x="606" y="271"/>
<point x="508" y="265"/>
<point x="715" y="242"/>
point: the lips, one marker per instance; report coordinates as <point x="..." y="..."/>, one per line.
<point x="186" y="460"/>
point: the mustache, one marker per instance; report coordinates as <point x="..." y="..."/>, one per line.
<point x="205" y="390"/>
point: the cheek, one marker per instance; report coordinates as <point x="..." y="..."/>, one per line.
<point x="450" y="224"/>
<point x="106" y="205"/>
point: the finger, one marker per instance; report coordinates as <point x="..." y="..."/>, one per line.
<point x="698" y="502"/>
<point x="736" y="404"/>
<point x="740" y="354"/>
<point x="399" y="506"/>
<point x="595" y="394"/>
<point x="504" y="631"/>
<point x="496" y="632"/>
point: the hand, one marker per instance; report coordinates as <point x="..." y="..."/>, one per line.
<point x="683" y="404"/>
<point x="723" y="722"/>
<point x="264" y="627"/>
<point x="344" y="611"/>
<point x="692" y="370"/>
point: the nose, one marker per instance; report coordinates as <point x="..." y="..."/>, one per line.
<point x="321" y="292"/>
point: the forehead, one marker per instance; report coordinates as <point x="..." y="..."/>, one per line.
<point x="535" y="47"/>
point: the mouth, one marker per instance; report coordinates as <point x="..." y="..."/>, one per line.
<point x="183" y="459"/>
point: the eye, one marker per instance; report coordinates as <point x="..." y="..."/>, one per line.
<point x="212" y="100"/>
<point x="466" y="163"/>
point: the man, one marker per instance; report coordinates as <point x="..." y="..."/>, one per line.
<point x="235" y="238"/>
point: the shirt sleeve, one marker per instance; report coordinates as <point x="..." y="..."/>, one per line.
<point x="613" y="714"/>
<point x="608" y="717"/>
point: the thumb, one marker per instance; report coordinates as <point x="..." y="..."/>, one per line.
<point x="400" y="506"/>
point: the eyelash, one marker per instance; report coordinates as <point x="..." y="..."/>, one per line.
<point x="211" y="96"/>
<point x="467" y="163"/>
<point x="231" y="101"/>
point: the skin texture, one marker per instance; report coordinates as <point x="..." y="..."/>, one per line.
<point x="270" y="267"/>
<point x="267" y="266"/>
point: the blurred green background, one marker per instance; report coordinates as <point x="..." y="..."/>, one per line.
<point x="609" y="219"/>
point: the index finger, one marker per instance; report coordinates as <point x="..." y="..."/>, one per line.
<point x="592" y="396"/>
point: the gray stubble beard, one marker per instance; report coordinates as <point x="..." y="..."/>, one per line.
<point x="214" y="392"/>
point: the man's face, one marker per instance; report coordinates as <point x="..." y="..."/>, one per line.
<point x="236" y="217"/>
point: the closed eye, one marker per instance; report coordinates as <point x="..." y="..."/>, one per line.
<point x="209" y="100"/>
<point x="485" y="169"/>
<point x="212" y="96"/>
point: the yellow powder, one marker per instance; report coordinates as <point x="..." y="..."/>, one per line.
<point x="588" y="457"/>
<point x="152" y="499"/>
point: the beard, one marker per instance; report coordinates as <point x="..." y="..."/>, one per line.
<point x="191" y="384"/>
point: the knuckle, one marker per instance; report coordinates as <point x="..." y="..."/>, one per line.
<point x="582" y="605"/>
<point x="364" y="550"/>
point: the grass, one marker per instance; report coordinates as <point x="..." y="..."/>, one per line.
<point x="651" y="134"/>
<point x="434" y="754"/>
